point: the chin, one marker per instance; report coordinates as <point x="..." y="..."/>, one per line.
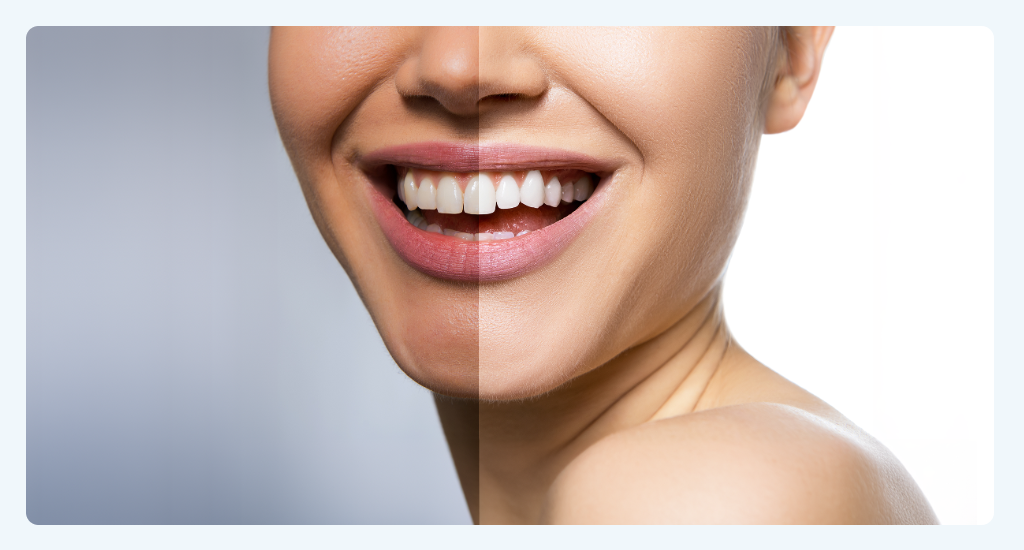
<point x="470" y="364"/>
<point x="512" y="371"/>
<point x="455" y="374"/>
<point x="463" y="368"/>
<point x="435" y="341"/>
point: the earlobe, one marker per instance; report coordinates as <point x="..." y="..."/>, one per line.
<point x="796" y="76"/>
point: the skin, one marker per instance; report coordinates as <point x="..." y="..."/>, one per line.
<point x="602" y="387"/>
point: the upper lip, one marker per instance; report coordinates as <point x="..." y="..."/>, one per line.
<point x="472" y="157"/>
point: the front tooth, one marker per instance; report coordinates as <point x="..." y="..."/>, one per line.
<point x="401" y="191"/>
<point x="409" y="191"/>
<point x="567" y="192"/>
<point x="484" y="237"/>
<point x="426" y="197"/>
<point x="471" y="200"/>
<point x="488" y="199"/>
<point x="583" y="188"/>
<point x="532" y="192"/>
<point x="501" y="235"/>
<point x="449" y="196"/>
<point x="479" y="197"/>
<point x="507" y="195"/>
<point x="553" y="192"/>
<point x="465" y="236"/>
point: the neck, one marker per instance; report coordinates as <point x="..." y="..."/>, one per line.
<point x="520" y="447"/>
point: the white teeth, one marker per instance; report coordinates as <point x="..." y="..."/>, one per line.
<point x="426" y="197"/>
<point x="409" y="191"/>
<point x="418" y="221"/>
<point x="471" y="200"/>
<point x="532" y="192"/>
<point x="582" y="189"/>
<point x="480" y="197"/>
<point x="567" y="192"/>
<point x="553" y="192"/>
<point x="449" y="196"/>
<point x="507" y="194"/>
<point x="488" y="199"/>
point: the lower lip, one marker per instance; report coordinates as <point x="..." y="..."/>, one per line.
<point x="471" y="261"/>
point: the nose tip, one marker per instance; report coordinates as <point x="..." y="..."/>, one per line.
<point x="470" y="69"/>
<point x="446" y="68"/>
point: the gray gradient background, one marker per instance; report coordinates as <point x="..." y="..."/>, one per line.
<point x="195" y="352"/>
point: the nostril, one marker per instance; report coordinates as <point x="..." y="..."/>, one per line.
<point x="503" y="100"/>
<point x="459" y="100"/>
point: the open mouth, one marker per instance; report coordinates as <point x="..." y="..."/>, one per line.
<point x="489" y="206"/>
<point x="481" y="213"/>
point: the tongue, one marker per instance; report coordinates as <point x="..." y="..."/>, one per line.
<point x="514" y="220"/>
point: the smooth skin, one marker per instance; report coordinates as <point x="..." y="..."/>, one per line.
<point x="603" y="387"/>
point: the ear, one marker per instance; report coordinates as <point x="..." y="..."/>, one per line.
<point x="796" y="75"/>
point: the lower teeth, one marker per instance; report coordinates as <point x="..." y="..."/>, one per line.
<point x="418" y="221"/>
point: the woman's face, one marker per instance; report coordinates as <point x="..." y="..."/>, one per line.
<point x="664" y="124"/>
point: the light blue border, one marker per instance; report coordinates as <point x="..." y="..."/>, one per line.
<point x="1002" y="18"/>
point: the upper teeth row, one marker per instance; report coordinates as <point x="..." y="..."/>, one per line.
<point x="483" y="194"/>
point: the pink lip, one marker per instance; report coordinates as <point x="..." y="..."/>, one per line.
<point x="457" y="157"/>
<point x="454" y="259"/>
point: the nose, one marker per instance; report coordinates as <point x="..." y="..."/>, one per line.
<point x="468" y="70"/>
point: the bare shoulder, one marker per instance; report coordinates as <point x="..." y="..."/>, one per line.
<point x="756" y="463"/>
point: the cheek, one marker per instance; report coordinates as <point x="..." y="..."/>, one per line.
<point x="669" y="91"/>
<point x="689" y="101"/>
<point x="691" y="114"/>
<point x="318" y="78"/>
<point x="318" y="75"/>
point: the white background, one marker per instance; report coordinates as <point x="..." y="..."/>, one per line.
<point x="864" y="272"/>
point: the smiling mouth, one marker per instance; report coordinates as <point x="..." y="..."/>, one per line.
<point x="489" y="205"/>
<point x="482" y="212"/>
